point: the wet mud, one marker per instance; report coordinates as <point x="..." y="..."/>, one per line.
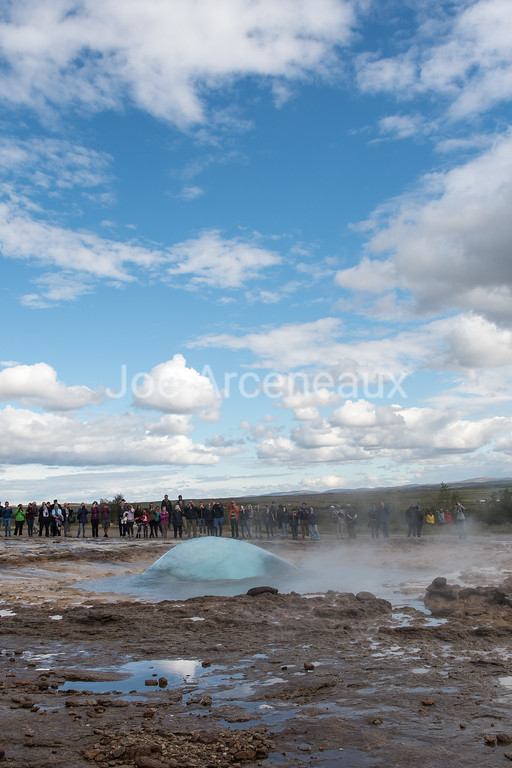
<point x="353" y="677"/>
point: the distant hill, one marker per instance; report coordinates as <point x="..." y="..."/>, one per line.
<point x="493" y="482"/>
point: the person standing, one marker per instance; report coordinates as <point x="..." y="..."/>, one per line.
<point x="30" y="518"/>
<point x="269" y="521"/>
<point x="256" y="520"/>
<point x="66" y="519"/>
<point x="95" y="519"/>
<point x="120" y="515"/>
<point x="244" y="516"/>
<point x="130" y="519"/>
<point x="218" y="518"/>
<point x="374" y="521"/>
<point x="19" y="518"/>
<point x="191" y="520"/>
<point x="7" y="515"/>
<point x="293" y="519"/>
<point x="56" y="518"/>
<point x="82" y="519"/>
<point x="351" y="519"/>
<point x="164" y="521"/>
<point x="44" y="519"/>
<point x="384" y="520"/>
<point x="460" y="519"/>
<point x="233" y="519"/>
<point x="410" y="516"/>
<point x="208" y="519"/>
<point x="313" y="524"/>
<point x="105" y="520"/>
<point x="177" y="521"/>
<point x="303" y="519"/>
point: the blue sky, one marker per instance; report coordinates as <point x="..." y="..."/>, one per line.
<point x="253" y="246"/>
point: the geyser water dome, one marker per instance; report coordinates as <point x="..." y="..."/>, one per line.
<point x="217" y="559"/>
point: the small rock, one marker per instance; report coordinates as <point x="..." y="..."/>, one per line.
<point x="308" y="666"/>
<point x="508" y="755"/>
<point x="428" y="702"/>
<point x="30" y="732"/>
<point x="206" y="664"/>
<point x="162" y="682"/>
<point x="490" y="739"/>
<point x="148" y="762"/>
<point x="255" y="591"/>
<point x="503" y="738"/>
<point x="150" y="682"/>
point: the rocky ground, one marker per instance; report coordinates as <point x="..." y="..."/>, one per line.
<point x="331" y="679"/>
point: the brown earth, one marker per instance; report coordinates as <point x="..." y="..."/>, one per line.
<point x="335" y="679"/>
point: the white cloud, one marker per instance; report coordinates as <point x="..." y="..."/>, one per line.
<point x="173" y="388"/>
<point x="161" y="55"/>
<point x="285" y="347"/>
<point x="369" y="275"/>
<point x="401" y="126"/>
<point x="37" y="385"/>
<point x="191" y="193"/>
<point x="53" y="165"/>
<point x="363" y="431"/>
<point x="25" y="237"/>
<point x="219" y="263"/>
<point x="55" y="287"/>
<point x="305" y="405"/>
<point x="315" y="345"/>
<point x="79" y="259"/>
<point x="110" y="440"/>
<point x="467" y="62"/>
<point x="324" y="482"/>
<point x="449" y="244"/>
<point x="473" y="342"/>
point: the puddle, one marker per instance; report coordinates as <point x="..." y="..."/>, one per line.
<point x="176" y="672"/>
<point x="5" y="612"/>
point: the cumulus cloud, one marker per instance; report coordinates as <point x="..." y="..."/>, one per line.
<point x="162" y="56"/>
<point x="473" y="342"/>
<point x="174" y="388"/>
<point x="449" y="244"/>
<point x="362" y="431"/>
<point x="305" y="405"/>
<point x="52" y="439"/>
<point x="37" y="385"/>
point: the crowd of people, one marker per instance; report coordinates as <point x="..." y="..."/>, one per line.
<point x="190" y="519"/>
<point x="178" y="518"/>
<point x="415" y="518"/>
